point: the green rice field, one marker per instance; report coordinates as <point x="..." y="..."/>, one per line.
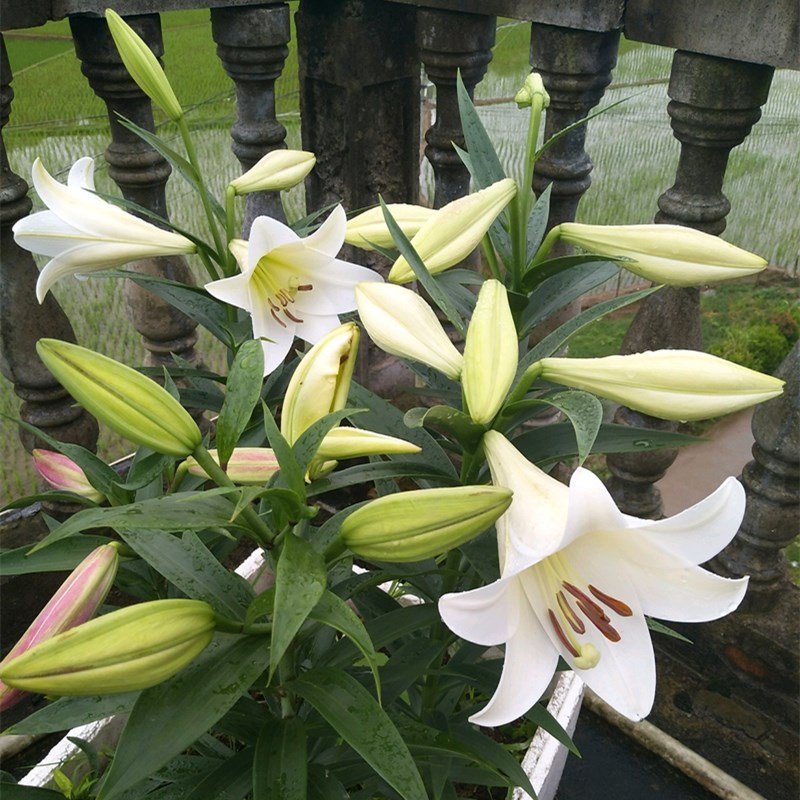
<point x="56" y="116"/>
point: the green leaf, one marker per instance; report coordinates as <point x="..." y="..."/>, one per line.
<point x="193" y="301"/>
<point x="555" y="266"/>
<point x="660" y="627"/>
<point x="585" y="412"/>
<point x="537" y="225"/>
<point x="331" y="610"/>
<point x="231" y="780"/>
<point x="382" y="417"/>
<point x="560" y="290"/>
<point x="13" y="791"/>
<point x="280" y="764"/>
<point x="299" y="584"/>
<point x="356" y="716"/>
<point x="291" y="473"/>
<point x="418" y="470"/>
<point x="175" y="512"/>
<point x="146" y="467"/>
<point x="70" y="712"/>
<point x="551" y="343"/>
<point x="324" y="786"/>
<point x="243" y="391"/>
<point x="306" y="446"/>
<point x="428" y="282"/>
<point x="189" y="565"/>
<point x="551" y="443"/>
<point x="168" y="718"/>
<point x="486" y="166"/>
<point x="451" y="422"/>
<point x="62" y="556"/>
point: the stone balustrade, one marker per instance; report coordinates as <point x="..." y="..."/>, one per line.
<point x="360" y="110"/>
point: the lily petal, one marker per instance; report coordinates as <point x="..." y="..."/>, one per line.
<point x="328" y="238"/>
<point x="315" y="327"/>
<point x="275" y="351"/>
<point x="529" y="665"/>
<point x="487" y="615"/>
<point x="232" y="290"/>
<point x="81" y="174"/>
<point x="700" y="532"/>
<point x="267" y="234"/>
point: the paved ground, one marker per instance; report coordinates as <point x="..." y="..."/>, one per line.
<point x="700" y="469"/>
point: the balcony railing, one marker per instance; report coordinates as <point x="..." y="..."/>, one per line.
<point x="360" y="103"/>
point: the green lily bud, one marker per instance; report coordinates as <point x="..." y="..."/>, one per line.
<point x="400" y="322"/>
<point x="126" y="650"/>
<point x="369" y="228"/>
<point x="277" y="170"/>
<point x="491" y="353"/>
<point x="532" y="87"/>
<point x="143" y="66"/>
<point x="455" y="230"/>
<point x="670" y="384"/>
<point x="357" y="443"/>
<point x="670" y="254"/>
<point x="321" y="382"/>
<point x="410" y="526"/>
<point x="125" y="400"/>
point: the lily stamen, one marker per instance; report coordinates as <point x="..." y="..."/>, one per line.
<point x="569" y="614"/>
<point x="564" y="637"/>
<point x="621" y="608"/>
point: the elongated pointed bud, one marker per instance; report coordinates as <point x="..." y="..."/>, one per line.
<point x="321" y="382"/>
<point x="61" y="472"/>
<point x="533" y="87"/>
<point x="247" y="465"/>
<point x="400" y="322"/>
<point x="670" y="254"/>
<point x="671" y="384"/>
<point x="277" y="170"/>
<point x="357" y="443"/>
<point x="125" y="400"/>
<point x="75" y="602"/>
<point x="126" y="650"/>
<point x="456" y="229"/>
<point x="410" y="526"/>
<point x="369" y="228"/>
<point x="143" y="66"/>
<point x="490" y="353"/>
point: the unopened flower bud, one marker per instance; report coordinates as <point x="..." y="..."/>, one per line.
<point x="491" y="353"/>
<point x="143" y="66"/>
<point x="357" y="443"/>
<point x="321" y="382"/>
<point x="369" y="228"/>
<point x="670" y="384"/>
<point x="400" y="322"/>
<point x="277" y="170"/>
<point x="247" y="465"/>
<point x="671" y="254"/>
<point x="409" y="526"/>
<point x="75" y="602"/>
<point x="62" y="473"/>
<point x="532" y="87"/>
<point x="455" y="230"/>
<point x="124" y="399"/>
<point x="129" y="649"/>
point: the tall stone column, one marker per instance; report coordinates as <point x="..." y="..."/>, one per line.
<point x="715" y="103"/>
<point x="23" y="321"/>
<point x="141" y="173"/>
<point x="449" y="42"/>
<point x="252" y="46"/>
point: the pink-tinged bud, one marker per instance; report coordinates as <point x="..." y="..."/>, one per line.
<point x="76" y="601"/>
<point x="247" y="465"/>
<point x="63" y="473"/>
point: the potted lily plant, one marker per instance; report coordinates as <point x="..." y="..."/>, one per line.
<point x="393" y="553"/>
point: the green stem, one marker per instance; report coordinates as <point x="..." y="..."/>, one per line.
<point x="230" y="228"/>
<point x="546" y="246"/>
<point x="225" y="624"/>
<point x="516" y="256"/>
<point x="491" y="256"/>
<point x="209" y="267"/>
<point x="261" y="533"/>
<point x="525" y="382"/>
<point x="526" y="190"/>
<point x="204" y="197"/>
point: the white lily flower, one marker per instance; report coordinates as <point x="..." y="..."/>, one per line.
<point x="83" y="232"/>
<point x="577" y="578"/>
<point x="292" y="286"/>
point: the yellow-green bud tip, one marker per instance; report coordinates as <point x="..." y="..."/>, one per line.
<point x="532" y="87"/>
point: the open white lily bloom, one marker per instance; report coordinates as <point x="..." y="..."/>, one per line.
<point x="83" y="233"/>
<point x="577" y="578"/>
<point x="292" y="286"/>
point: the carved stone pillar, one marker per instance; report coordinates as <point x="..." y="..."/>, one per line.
<point x="450" y="41"/>
<point x="715" y="103"/>
<point x="251" y="44"/>
<point x="772" y="481"/>
<point x="359" y="104"/>
<point x="576" y="67"/>
<point x="140" y="173"/>
<point x="23" y="321"/>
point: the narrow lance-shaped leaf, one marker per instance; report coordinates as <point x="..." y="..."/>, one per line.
<point x="280" y="764"/>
